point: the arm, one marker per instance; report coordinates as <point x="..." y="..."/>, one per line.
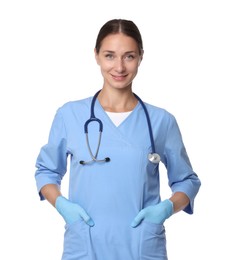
<point x="51" y="167"/>
<point x="51" y="192"/>
<point x="183" y="181"/>
<point x="51" y="162"/>
<point x="180" y="201"/>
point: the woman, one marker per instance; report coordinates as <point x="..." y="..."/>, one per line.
<point x="114" y="210"/>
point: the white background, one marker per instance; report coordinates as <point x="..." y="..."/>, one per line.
<point x="46" y="59"/>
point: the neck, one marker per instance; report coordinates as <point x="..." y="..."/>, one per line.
<point x="117" y="100"/>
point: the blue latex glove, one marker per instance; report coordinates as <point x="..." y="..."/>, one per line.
<point x="155" y="214"/>
<point x="72" y="212"/>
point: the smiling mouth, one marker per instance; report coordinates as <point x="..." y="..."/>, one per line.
<point x="119" y="77"/>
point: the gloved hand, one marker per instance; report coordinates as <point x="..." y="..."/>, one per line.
<point x="155" y="214"/>
<point x="71" y="212"/>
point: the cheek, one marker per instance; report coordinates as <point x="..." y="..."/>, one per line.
<point x="105" y="67"/>
<point x="104" y="71"/>
<point x="134" y="69"/>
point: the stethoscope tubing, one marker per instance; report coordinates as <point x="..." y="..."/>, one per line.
<point x="148" y="123"/>
<point x="154" y="157"/>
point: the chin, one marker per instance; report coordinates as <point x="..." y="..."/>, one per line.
<point x="122" y="87"/>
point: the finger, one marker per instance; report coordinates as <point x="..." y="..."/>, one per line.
<point x="90" y="222"/>
<point x="138" y="219"/>
<point x="87" y="219"/>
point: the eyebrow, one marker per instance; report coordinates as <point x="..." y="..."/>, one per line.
<point x="127" y="52"/>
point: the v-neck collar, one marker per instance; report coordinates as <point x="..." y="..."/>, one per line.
<point x="118" y="131"/>
<point x="107" y="118"/>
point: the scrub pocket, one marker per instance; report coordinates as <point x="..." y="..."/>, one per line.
<point x="75" y="241"/>
<point x="152" y="242"/>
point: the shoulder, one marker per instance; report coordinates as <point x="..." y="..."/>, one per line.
<point x="75" y="105"/>
<point x="158" y="111"/>
<point x="161" y="116"/>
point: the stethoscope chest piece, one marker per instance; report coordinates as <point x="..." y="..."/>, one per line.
<point x="154" y="158"/>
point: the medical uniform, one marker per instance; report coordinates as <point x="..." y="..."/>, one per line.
<point x="113" y="193"/>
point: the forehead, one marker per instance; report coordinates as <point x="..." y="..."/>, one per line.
<point x="118" y="42"/>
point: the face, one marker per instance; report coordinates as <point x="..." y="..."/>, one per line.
<point x="119" y="59"/>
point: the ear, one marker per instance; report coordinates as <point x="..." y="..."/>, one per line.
<point x="96" y="56"/>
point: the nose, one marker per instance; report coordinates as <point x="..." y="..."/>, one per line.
<point x="120" y="66"/>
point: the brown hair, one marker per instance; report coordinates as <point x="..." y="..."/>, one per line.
<point x="115" y="26"/>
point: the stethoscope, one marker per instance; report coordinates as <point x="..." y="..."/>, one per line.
<point x="153" y="156"/>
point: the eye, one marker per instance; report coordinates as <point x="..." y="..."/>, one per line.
<point x="109" y="56"/>
<point x="129" y="57"/>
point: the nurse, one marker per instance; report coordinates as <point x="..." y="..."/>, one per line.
<point x="114" y="210"/>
